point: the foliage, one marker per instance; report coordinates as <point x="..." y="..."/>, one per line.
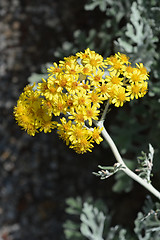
<point x="106" y="172"/>
<point x="71" y="228"/>
<point x="123" y="182"/>
<point x="147" y="224"/>
<point x="81" y="40"/>
<point x="95" y="222"/>
<point x="92" y="222"/>
<point x="100" y="39"/>
<point x="146" y="164"/>
<point x="138" y="39"/>
<point x="138" y="36"/>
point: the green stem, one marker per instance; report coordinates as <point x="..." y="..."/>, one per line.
<point x="119" y="159"/>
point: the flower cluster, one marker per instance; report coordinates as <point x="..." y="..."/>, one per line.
<point x="74" y="91"/>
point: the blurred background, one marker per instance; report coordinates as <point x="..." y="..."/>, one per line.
<point x="38" y="174"/>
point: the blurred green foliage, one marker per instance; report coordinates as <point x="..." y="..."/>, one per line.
<point x="93" y="221"/>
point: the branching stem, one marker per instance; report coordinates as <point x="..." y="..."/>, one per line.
<point x="119" y="159"/>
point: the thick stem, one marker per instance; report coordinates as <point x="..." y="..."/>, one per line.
<point x="120" y="160"/>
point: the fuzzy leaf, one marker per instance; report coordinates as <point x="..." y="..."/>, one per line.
<point x="92" y="222"/>
<point x="145" y="164"/>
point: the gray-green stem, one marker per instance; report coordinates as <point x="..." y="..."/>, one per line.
<point x="119" y="159"/>
<point x="105" y="111"/>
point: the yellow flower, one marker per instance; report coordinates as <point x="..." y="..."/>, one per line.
<point x="113" y="63"/>
<point x="143" y="70"/>
<point x="96" y="98"/>
<point x="82" y="146"/>
<point x="46" y="104"/>
<point x="144" y="88"/>
<point x="114" y="78"/>
<point x="73" y="68"/>
<point x="96" y="77"/>
<point x="43" y="86"/>
<point x="104" y="91"/>
<point x="78" y="132"/>
<point x="91" y="113"/>
<point x="59" y="105"/>
<point x="78" y="115"/>
<point x="49" y="92"/>
<point x="92" y="58"/>
<point x="136" y="76"/>
<point x="127" y="70"/>
<point x="121" y="97"/>
<point x="47" y="125"/>
<point x="134" y="90"/>
<point x="61" y="81"/>
<point x="55" y="70"/>
<point x="28" y="112"/>
<point x="74" y="85"/>
<point x="96" y="135"/>
<point x="81" y="98"/>
<point x="86" y="70"/>
<point x="67" y="62"/>
<point x="24" y="118"/>
<point x="63" y="129"/>
<point x="122" y="57"/>
<point x="74" y="91"/>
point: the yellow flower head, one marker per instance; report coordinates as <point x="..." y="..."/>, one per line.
<point x="75" y="90"/>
